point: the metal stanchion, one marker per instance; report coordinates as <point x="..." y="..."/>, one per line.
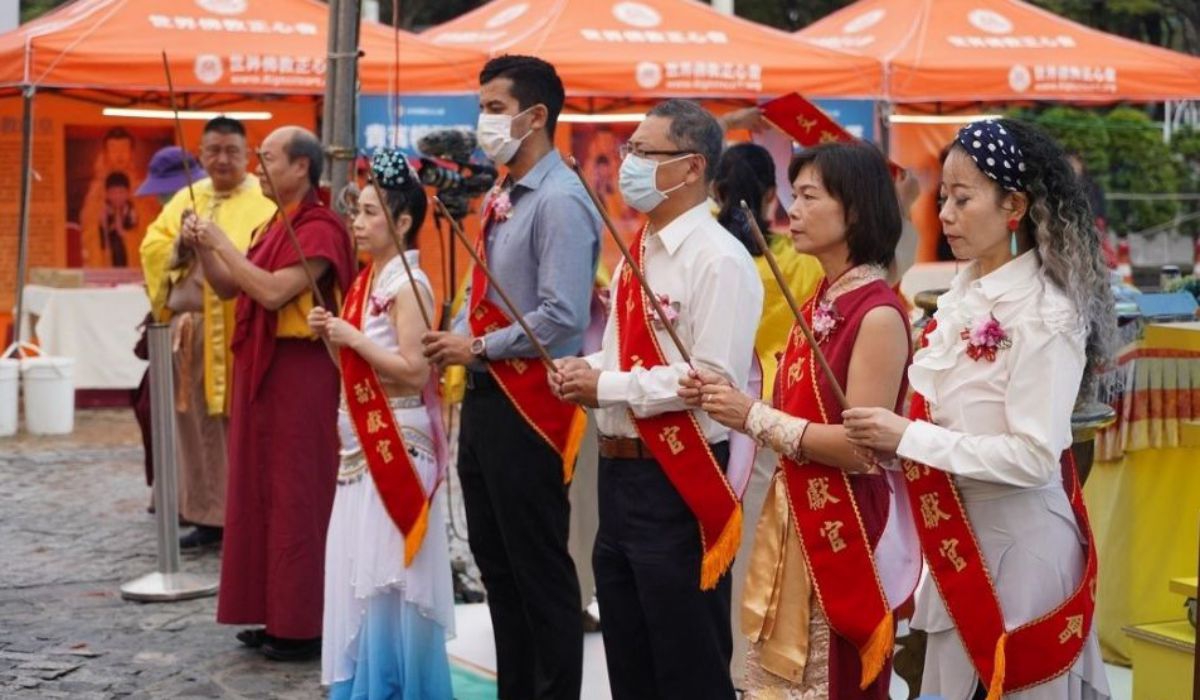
<point x="168" y="582"/>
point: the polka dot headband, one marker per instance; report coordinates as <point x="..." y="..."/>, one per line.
<point x="995" y="152"/>
<point x="392" y="170"/>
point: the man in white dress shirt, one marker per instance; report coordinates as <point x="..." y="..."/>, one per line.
<point x="665" y="636"/>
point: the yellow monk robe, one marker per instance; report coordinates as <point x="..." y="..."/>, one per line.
<point x="803" y="273"/>
<point x="238" y="214"/>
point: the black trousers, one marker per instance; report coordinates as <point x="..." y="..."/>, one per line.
<point x="517" y="517"/>
<point x="663" y="637"/>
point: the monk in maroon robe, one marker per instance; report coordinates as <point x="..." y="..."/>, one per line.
<point x="283" y="444"/>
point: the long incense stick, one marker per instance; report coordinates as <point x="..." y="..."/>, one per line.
<point x="512" y="308"/>
<point x="637" y="272"/>
<point x="187" y="168"/>
<point x="791" y="300"/>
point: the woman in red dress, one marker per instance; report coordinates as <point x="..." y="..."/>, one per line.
<point x="821" y="583"/>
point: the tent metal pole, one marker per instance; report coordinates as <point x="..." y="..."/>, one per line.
<point x="331" y="76"/>
<point x="341" y="94"/>
<point x="27" y="92"/>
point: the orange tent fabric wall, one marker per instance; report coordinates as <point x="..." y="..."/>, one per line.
<point x="56" y="117"/>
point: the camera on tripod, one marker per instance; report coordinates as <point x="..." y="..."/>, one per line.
<point x="446" y="166"/>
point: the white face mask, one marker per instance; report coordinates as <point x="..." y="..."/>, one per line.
<point x="639" y="182"/>
<point x="494" y="132"/>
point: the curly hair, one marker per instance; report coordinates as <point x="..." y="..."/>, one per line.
<point x="1060" y="223"/>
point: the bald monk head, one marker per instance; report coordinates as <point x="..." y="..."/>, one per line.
<point x="293" y="158"/>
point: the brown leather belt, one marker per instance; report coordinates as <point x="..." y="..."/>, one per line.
<point x="623" y="448"/>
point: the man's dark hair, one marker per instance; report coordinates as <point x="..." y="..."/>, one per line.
<point x="534" y="81"/>
<point x="693" y="129"/>
<point x="225" y="126"/>
<point x="856" y="175"/>
<point x="117" y="179"/>
<point x="118" y="133"/>
<point x="304" y="145"/>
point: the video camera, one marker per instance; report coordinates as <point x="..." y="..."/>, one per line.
<point x="446" y="166"/>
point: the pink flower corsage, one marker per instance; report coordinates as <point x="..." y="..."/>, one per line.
<point x="499" y="206"/>
<point x="984" y="338"/>
<point x="381" y="304"/>
<point x="670" y="310"/>
<point x="825" y="321"/>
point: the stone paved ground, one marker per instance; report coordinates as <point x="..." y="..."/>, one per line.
<point x="73" y="528"/>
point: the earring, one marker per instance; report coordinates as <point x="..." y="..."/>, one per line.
<point x="1012" y="236"/>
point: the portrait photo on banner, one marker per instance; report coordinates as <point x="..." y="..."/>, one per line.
<point x="597" y="148"/>
<point x="104" y="166"/>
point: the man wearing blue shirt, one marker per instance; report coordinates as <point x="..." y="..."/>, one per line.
<point x="541" y="239"/>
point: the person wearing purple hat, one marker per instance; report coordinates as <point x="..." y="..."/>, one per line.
<point x="171" y="170"/>
<point x="201" y="323"/>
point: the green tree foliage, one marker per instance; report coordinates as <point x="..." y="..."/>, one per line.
<point x="1141" y="164"/>
<point x="1080" y="131"/>
<point x="1185" y="145"/>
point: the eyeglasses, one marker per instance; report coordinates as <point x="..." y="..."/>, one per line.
<point x="628" y="148"/>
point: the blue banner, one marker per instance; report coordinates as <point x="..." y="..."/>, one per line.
<point x="416" y="115"/>
<point x="855" y="116"/>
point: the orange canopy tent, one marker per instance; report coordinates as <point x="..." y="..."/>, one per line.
<point x="1000" y="51"/>
<point x="658" y="48"/>
<point x="215" y="46"/>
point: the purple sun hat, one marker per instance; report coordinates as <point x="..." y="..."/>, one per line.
<point x="167" y="174"/>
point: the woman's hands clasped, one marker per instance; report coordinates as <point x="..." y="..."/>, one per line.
<point x="338" y="332"/>
<point x="712" y="393"/>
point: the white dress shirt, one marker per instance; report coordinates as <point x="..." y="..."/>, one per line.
<point x="700" y="266"/>
<point x="1004" y="422"/>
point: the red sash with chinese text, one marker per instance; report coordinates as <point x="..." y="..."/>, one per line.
<point x="524" y="379"/>
<point x="839" y="554"/>
<point x="1008" y="661"/>
<point x="392" y="470"/>
<point x="675" y="438"/>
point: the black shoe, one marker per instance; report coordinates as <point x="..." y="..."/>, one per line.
<point x="253" y="638"/>
<point x="202" y="536"/>
<point x="281" y="649"/>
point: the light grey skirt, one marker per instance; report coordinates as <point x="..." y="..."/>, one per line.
<point x="1034" y="552"/>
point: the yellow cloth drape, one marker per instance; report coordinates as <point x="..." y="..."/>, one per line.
<point x="803" y="273"/>
<point x="777" y="597"/>
<point x="237" y="213"/>
<point x="1143" y="493"/>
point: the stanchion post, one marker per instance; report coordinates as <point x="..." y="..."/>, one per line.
<point x="167" y="583"/>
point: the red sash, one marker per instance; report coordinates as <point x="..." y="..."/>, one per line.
<point x="394" y="474"/>
<point x="524" y="379"/>
<point x="1008" y="661"/>
<point x="675" y="438"/>
<point x="840" y="558"/>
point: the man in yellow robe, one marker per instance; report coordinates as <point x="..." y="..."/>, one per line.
<point x="201" y="323"/>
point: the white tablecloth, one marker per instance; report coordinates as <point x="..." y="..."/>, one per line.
<point x="95" y="325"/>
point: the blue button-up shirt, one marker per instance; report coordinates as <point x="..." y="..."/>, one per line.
<point x="544" y="256"/>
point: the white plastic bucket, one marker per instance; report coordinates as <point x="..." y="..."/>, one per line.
<point x="9" y="371"/>
<point x="49" y="394"/>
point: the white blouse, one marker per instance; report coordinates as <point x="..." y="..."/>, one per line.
<point x="1007" y="421"/>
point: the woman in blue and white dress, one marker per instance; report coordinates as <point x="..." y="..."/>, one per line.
<point x="386" y="624"/>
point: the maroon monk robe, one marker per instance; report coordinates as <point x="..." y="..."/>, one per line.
<point x="283" y="444"/>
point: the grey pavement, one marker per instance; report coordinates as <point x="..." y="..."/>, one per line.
<point x="73" y="528"/>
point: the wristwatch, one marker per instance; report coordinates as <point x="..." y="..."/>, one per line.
<point x="479" y="347"/>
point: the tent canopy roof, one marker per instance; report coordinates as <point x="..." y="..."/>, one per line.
<point x="225" y="46"/>
<point x="658" y="48"/>
<point x="1001" y="50"/>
